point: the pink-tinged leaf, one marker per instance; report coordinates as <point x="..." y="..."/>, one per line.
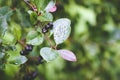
<point x="53" y="9"/>
<point x="67" y="55"/>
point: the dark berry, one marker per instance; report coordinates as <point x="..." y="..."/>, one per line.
<point x="24" y="52"/>
<point x="34" y="74"/>
<point x="51" y="25"/>
<point x="29" y="47"/>
<point x="30" y="76"/>
<point x="44" y="30"/>
<point x="47" y="26"/>
<point x="39" y="60"/>
<point x="27" y="77"/>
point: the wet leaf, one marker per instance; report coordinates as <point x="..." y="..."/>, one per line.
<point x="61" y="30"/>
<point x="48" y="54"/>
<point x="19" y="60"/>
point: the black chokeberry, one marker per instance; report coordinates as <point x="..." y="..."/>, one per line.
<point x="24" y="52"/>
<point x="34" y="74"/>
<point x="27" y="77"/>
<point x="30" y="76"/>
<point x="49" y="25"/>
<point x="39" y="60"/>
<point x="44" y="30"/>
<point x="29" y="47"/>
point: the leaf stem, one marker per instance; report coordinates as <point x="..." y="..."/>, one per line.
<point x="51" y="44"/>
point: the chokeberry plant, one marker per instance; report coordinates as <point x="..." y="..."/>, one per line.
<point x="19" y="45"/>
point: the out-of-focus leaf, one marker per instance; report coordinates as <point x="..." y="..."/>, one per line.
<point x="92" y="49"/>
<point x="67" y="55"/>
<point x="3" y="26"/>
<point x="110" y="25"/>
<point x="86" y="14"/>
<point x="2" y="55"/>
<point x="48" y="54"/>
<point x="5" y="13"/>
<point x="34" y="38"/>
<point x="45" y="17"/>
<point x="115" y="34"/>
<point x="2" y="65"/>
<point x="61" y="30"/>
<point x="83" y="16"/>
<point x="22" y="17"/>
<point x="19" y="60"/>
<point x="3" y="59"/>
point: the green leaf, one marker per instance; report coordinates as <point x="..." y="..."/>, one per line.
<point x="2" y="65"/>
<point x="48" y="54"/>
<point x="23" y="19"/>
<point x="3" y="26"/>
<point x="5" y="13"/>
<point x="16" y="30"/>
<point x="115" y="34"/>
<point x="36" y="41"/>
<point x="2" y="55"/>
<point x="3" y="59"/>
<point x="61" y="29"/>
<point x="34" y="38"/>
<point x="8" y="38"/>
<point x="40" y="4"/>
<point x="32" y="34"/>
<point x="19" y="60"/>
<point x="33" y="16"/>
<point x="45" y="17"/>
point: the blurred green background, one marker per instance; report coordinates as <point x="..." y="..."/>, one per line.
<point x="95" y="40"/>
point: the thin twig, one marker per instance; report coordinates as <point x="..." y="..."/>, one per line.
<point x="32" y="6"/>
<point x="22" y="43"/>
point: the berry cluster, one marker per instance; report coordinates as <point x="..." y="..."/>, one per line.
<point x="48" y="26"/>
<point x="39" y="60"/>
<point x="35" y="60"/>
<point x="27" y="49"/>
<point x="30" y="76"/>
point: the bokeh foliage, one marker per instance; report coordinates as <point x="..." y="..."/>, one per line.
<point x="94" y="39"/>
